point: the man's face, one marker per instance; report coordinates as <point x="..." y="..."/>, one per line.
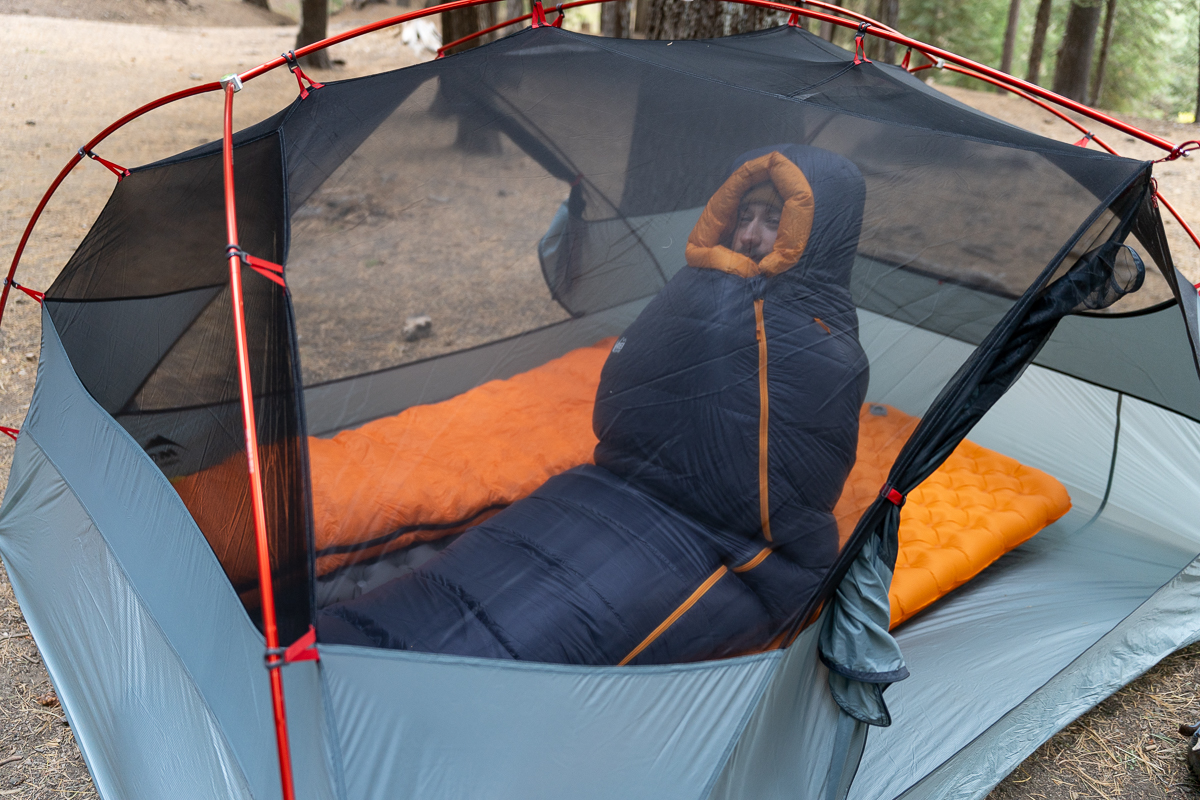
<point x="757" y="226"/>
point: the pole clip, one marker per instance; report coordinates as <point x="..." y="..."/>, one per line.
<point x="233" y="80"/>
<point x="269" y="270"/>
<point x="539" y="16"/>
<point x="38" y="296"/>
<point x="303" y="649"/>
<point x="860" y="52"/>
<point x="294" y="66"/>
<point x="115" y="169"/>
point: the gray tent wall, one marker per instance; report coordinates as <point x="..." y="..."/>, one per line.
<point x="160" y="669"/>
<point x="157" y="665"/>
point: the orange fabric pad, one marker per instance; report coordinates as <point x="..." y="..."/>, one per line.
<point x="433" y="470"/>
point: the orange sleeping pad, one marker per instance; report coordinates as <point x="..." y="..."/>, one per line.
<point x="433" y="470"/>
<point x="976" y="507"/>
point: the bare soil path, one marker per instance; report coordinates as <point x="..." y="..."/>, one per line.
<point x="82" y="63"/>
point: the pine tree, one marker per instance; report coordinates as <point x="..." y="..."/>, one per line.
<point x="1074" y="60"/>
<point x="1110" y="8"/>
<point x="314" y="21"/>
<point x="1037" y="46"/>
<point x="1010" y="35"/>
<point x="465" y="21"/>
<point x="889" y="14"/>
<point x="614" y="19"/>
<point x="702" y="19"/>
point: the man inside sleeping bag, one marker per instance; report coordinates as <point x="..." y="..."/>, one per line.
<point x="727" y="418"/>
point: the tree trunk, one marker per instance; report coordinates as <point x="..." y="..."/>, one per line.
<point x="1038" y="45"/>
<point x="469" y="136"/>
<point x="1110" y="10"/>
<point x="676" y="19"/>
<point x="314" y="19"/>
<point x="1010" y="35"/>
<point x="465" y="21"/>
<point x="828" y="29"/>
<point x="888" y="14"/>
<point x="614" y="19"/>
<point x="258" y="4"/>
<point x="641" y="16"/>
<point x="1075" y="53"/>
<point x="512" y="10"/>
<point x="1197" y="120"/>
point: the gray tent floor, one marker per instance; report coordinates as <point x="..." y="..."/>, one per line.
<point x="994" y="642"/>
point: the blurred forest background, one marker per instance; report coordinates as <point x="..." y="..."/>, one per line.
<point x="1131" y="56"/>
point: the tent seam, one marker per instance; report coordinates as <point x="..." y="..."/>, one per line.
<point x="360" y="651"/>
<point x="736" y="735"/>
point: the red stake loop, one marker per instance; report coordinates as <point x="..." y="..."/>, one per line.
<point x="35" y="295"/>
<point x="258" y="503"/>
<point x="907" y="56"/>
<point x="539" y="15"/>
<point x="561" y="15"/>
<point x="860" y="52"/>
<point x="294" y="66"/>
<point x="892" y="496"/>
<point x="794" y="21"/>
<point x="1087" y="137"/>
<point x="10" y="432"/>
<point x="116" y="169"/>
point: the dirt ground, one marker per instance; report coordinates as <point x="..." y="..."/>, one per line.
<point x="82" y="63"/>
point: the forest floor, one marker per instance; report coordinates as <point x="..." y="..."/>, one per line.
<point x="82" y="63"/>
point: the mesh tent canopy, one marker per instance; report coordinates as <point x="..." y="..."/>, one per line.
<point x="520" y="394"/>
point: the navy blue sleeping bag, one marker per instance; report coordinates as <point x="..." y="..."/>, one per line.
<point x="727" y="418"/>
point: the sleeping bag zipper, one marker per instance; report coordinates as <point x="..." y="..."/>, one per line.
<point x="764" y="504"/>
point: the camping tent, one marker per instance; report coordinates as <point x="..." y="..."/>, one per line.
<point x="533" y="197"/>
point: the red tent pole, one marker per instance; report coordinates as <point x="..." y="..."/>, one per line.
<point x="271" y="632"/>
<point x="75" y="159"/>
<point x="1158" y="195"/>
<point x="875" y="29"/>
<point x="1040" y="103"/>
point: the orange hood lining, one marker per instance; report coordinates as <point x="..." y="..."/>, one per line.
<point x="717" y="222"/>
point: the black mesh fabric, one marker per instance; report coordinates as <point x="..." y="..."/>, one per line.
<point x="452" y="228"/>
<point x="144" y="311"/>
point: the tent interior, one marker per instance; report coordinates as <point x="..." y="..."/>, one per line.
<point x="470" y="244"/>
